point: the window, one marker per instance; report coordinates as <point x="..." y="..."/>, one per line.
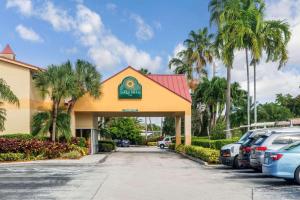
<point x="287" y="139"/>
<point x="167" y="139"/>
<point x="293" y="146"/>
<point x="260" y="140"/>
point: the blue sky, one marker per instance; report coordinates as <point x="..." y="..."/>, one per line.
<point x="140" y="33"/>
<point x="162" y="26"/>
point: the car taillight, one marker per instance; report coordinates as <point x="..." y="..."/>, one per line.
<point x="246" y="149"/>
<point x="261" y="148"/>
<point x="276" y="156"/>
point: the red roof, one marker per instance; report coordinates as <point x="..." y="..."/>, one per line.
<point x="7" y="50"/>
<point x="176" y="83"/>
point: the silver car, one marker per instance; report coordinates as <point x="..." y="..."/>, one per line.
<point x="274" y="139"/>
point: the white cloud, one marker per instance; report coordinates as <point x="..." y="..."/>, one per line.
<point x="57" y="17"/>
<point x="28" y="34"/>
<point x="24" y="6"/>
<point x="144" y="31"/>
<point x="270" y="81"/>
<point x="104" y="48"/>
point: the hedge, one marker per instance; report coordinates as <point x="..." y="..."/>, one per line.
<point x="205" y="154"/>
<point x="106" y="145"/>
<point x="21" y="136"/>
<point x="213" y="144"/>
<point x="12" y="156"/>
<point x="151" y="143"/>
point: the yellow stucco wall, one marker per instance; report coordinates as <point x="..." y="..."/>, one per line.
<point x="155" y="98"/>
<point x="18" y="78"/>
<point x="18" y="119"/>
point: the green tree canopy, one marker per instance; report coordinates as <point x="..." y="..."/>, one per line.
<point x="125" y="128"/>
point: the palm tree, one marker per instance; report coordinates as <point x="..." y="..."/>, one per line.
<point x="225" y="14"/>
<point x="87" y="80"/>
<point x="201" y="44"/>
<point x="6" y="95"/>
<point x="145" y="71"/>
<point x="57" y="83"/>
<point x="43" y="121"/>
<point x="273" y="37"/>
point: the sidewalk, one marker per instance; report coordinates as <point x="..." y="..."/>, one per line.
<point x="89" y="159"/>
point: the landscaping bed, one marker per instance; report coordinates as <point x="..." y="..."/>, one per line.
<point x="14" y="148"/>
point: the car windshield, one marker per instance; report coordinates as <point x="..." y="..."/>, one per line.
<point x="291" y="146"/>
<point x="244" y="137"/>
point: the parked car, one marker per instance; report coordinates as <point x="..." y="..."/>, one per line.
<point x="122" y="143"/>
<point x="245" y="148"/>
<point x="273" y="140"/>
<point x="165" y="142"/>
<point x="284" y="163"/>
<point x="229" y="153"/>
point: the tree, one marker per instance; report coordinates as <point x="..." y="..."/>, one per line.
<point x="169" y="126"/>
<point x="145" y="71"/>
<point x="86" y="80"/>
<point x="57" y="82"/>
<point x="201" y="45"/>
<point x="43" y="121"/>
<point x="224" y="14"/>
<point x="125" y="128"/>
<point x="270" y="112"/>
<point x="290" y="102"/>
<point x="273" y="37"/>
<point x="7" y="95"/>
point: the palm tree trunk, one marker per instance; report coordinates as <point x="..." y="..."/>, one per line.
<point x="248" y="90"/>
<point x="71" y="105"/>
<point x="54" y="121"/>
<point x="228" y="102"/>
<point x="254" y="96"/>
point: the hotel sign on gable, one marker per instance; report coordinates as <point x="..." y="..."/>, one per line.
<point x="130" y="88"/>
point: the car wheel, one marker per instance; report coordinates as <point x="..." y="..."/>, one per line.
<point x="162" y="146"/>
<point x="297" y="175"/>
<point x="236" y="163"/>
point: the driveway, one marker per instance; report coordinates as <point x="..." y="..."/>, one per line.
<point x="139" y="174"/>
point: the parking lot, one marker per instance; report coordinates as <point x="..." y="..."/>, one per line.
<point x="139" y="173"/>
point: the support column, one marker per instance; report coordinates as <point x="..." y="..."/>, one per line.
<point x="178" y="130"/>
<point x="188" y="129"/>
<point x="73" y="125"/>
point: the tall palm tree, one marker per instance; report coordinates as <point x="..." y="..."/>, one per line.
<point x="56" y="83"/>
<point x="272" y="37"/>
<point x="87" y="80"/>
<point x="8" y="96"/>
<point x="201" y="44"/>
<point x="224" y="14"/>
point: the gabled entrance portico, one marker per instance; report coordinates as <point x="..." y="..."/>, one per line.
<point x="132" y="94"/>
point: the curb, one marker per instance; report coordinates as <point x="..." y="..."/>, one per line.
<point x="198" y="160"/>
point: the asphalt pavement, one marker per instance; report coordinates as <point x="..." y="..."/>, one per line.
<point x="139" y="174"/>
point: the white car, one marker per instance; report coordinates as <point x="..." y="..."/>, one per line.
<point x="165" y="142"/>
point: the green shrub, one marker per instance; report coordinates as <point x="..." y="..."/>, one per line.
<point x="21" y="136"/>
<point x="205" y="154"/>
<point x="151" y="143"/>
<point x="214" y="144"/>
<point x="171" y="146"/>
<point x="71" y="155"/>
<point x="218" y="132"/>
<point x="106" y="145"/>
<point x="12" y="156"/>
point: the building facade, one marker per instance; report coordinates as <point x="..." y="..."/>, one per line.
<point x="128" y="93"/>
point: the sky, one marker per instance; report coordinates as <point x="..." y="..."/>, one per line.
<point x="140" y="33"/>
